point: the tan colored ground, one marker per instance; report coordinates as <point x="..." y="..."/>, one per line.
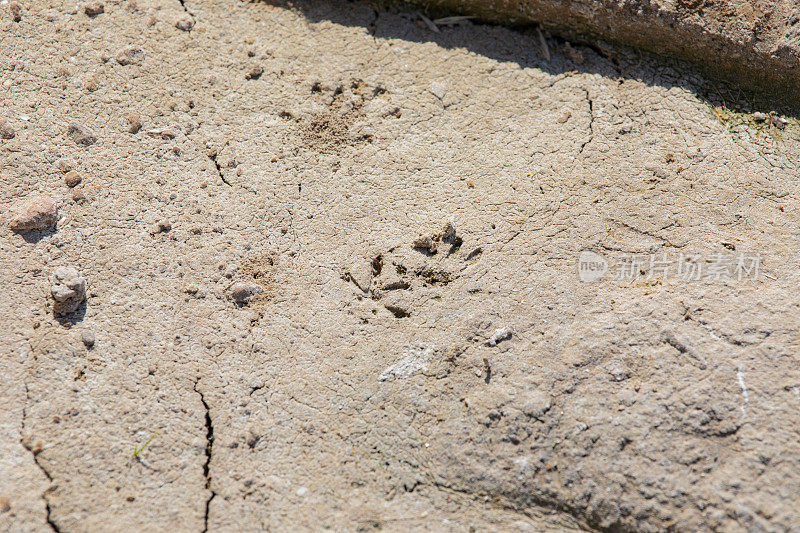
<point x="370" y="384"/>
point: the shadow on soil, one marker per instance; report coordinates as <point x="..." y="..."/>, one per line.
<point x="525" y="46"/>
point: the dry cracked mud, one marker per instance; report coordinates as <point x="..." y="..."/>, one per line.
<point x="343" y="271"/>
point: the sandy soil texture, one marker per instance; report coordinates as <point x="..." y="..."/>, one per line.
<point x="318" y="266"/>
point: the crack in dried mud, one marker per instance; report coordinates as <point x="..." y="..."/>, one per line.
<point x="591" y="121"/>
<point x="219" y="170"/>
<point x="209" y="448"/>
<point x="35" y="455"/>
<point x="183" y="5"/>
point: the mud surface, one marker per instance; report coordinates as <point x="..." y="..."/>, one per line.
<point x="326" y="275"/>
<point x="754" y="44"/>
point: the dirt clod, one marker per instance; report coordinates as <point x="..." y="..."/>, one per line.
<point x="6" y="131"/>
<point x="81" y="134"/>
<point x="185" y="23"/>
<point x="779" y="122"/>
<point x="88" y="338"/>
<point x="438" y="89"/>
<point x="64" y="164"/>
<point x="241" y="292"/>
<point x="72" y="178"/>
<point x="36" y="214"/>
<point x="130" y="55"/>
<point x="448" y="233"/>
<point x="78" y="196"/>
<point x="254" y="73"/>
<point x="134" y="122"/>
<point x="93" y="9"/>
<point x="68" y="290"/>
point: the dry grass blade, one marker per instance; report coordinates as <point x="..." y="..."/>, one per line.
<point x="449" y="21"/>
<point x="429" y="23"/>
<point x="543" y="43"/>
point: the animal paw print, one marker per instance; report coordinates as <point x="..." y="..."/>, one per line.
<point x="404" y="278"/>
<point x="331" y="128"/>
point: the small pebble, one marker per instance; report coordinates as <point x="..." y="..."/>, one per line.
<point x="65" y="164"/>
<point x="184" y="23"/>
<point x="564" y="117"/>
<point x="499" y="336"/>
<point x="77" y="196"/>
<point x="94" y="8"/>
<point x="242" y="292"/>
<point x="81" y="134"/>
<point x="134" y="122"/>
<point x="88" y="338"/>
<point x="254" y="73"/>
<point x="164" y="133"/>
<point x="16" y="11"/>
<point x="6" y="131"/>
<point x="758" y="116"/>
<point x="68" y="290"/>
<point x="5" y="504"/>
<point x="779" y="122"/>
<point x="72" y="178"/>
<point x="131" y="55"/>
<point x="37" y="214"/>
